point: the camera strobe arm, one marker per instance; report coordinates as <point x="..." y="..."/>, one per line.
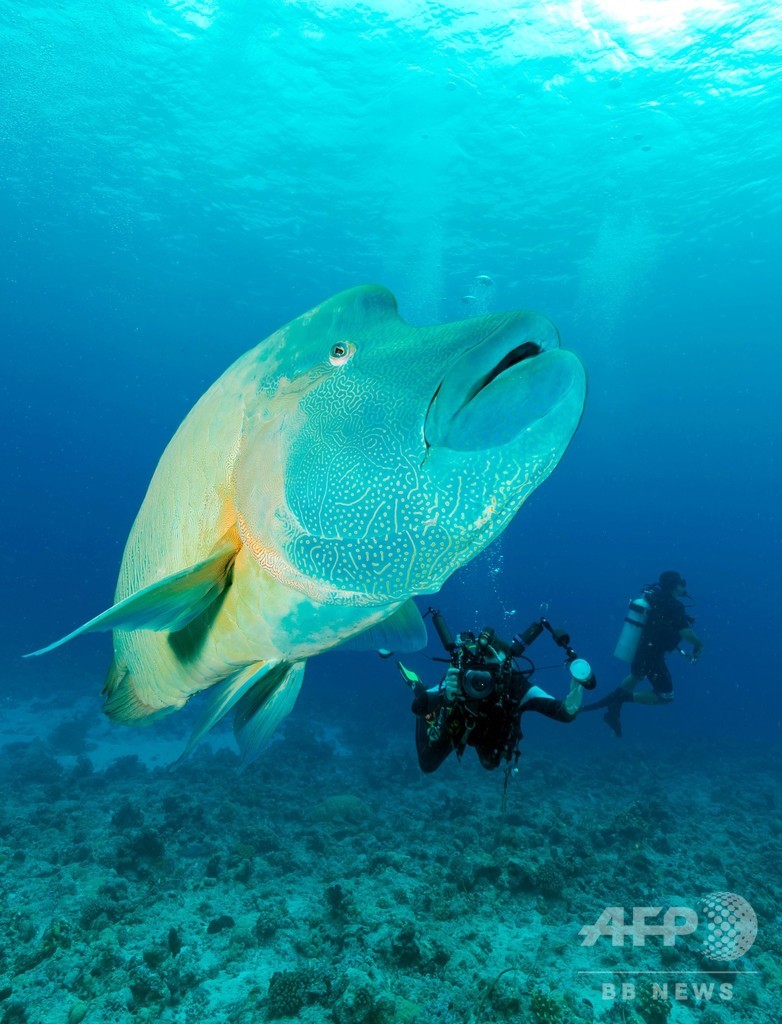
<point x="522" y="641"/>
<point x="580" y="670"/>
<point x="441" y="626"/>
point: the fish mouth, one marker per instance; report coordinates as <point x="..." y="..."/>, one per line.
<point x="508" y="384"/>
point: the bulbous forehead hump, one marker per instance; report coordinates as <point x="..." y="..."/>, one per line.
<point x="400" y="452"/>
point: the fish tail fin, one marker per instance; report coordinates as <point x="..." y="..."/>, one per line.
<point x="122" y="703"/>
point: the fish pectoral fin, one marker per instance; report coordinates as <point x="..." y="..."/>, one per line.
<point x="402" y="631"/>
<point x="167" y="605"/>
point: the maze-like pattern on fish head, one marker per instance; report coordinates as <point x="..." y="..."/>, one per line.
<point x="375" y="515"/>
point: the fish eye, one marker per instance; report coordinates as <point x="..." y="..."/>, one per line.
<point x="340" y="352"/>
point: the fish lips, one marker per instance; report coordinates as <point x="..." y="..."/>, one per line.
<point x="514" y="383"/>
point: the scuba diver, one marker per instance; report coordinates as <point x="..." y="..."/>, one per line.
<point x="480" y="700"/>
<point x="656" y="623"/>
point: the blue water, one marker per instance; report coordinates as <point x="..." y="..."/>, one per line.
<point x="181" y="178"/>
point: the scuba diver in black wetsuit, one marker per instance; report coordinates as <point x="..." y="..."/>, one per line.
<point x="480" y="700"/>
<point x="661" y="627"/>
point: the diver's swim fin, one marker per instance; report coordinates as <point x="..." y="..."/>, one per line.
<point x="410" y="678"/>
<point x="613" y="719"/>
<point x="416" y="684"/>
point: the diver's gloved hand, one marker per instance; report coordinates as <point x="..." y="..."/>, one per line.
<point x="452" y="685"/>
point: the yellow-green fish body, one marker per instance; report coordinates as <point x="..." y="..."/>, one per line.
<point x="344" y="465"/>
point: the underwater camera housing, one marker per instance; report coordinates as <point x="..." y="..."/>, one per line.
<point x="485" y="663"/>
<point x="482" y="669"/>
<point x="478" y="683"/>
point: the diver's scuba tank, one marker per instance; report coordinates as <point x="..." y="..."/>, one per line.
<point x="635" y="620"/>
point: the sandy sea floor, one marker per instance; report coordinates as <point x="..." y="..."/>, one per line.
<point x="332" y="882"/>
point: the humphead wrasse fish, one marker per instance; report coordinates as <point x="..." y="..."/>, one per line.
<point x="347" y="463"/>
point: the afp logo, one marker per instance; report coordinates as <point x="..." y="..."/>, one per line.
<point x="730" y="925"/>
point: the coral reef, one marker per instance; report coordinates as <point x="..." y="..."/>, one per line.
<point x="287" y="993"/>
<point x="134" y="894"/>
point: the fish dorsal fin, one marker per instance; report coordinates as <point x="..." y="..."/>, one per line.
<point x="168" y="604"/>
<point x="404" y="631"/>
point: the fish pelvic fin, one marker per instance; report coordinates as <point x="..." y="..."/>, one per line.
<point x="169" y="604"/>
<point x="402" y="631"/>
<point x="261" y="710"/>
<point x="262" y="695"/>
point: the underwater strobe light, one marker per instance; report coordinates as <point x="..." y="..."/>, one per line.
<point x="581" y="672"/>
